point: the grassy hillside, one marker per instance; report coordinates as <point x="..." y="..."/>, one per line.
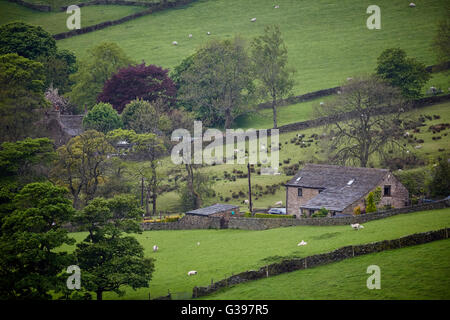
<point x="223" y="252"/>
<point x="434" y="145"/>
<point x="55" y="22"/>
<point x="419" y="272"/>
<point x="327" y="41"/>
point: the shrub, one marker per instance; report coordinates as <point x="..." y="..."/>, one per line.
<point x="371" y="203"/>
<point x="357" y="211"/>
<point x="440" y="185"/>
<point x="248" y="214"/>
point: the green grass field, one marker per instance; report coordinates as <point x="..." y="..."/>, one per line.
<point x="55" y="22"/>
<point x="223" y="252"/>
<point x="327" y="41"/>
<point x="419" y="272"/>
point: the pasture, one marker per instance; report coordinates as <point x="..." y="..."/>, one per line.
<point x="415" y="273"/>
<point x="225" y="252"/>
<point x="327" y="41"/>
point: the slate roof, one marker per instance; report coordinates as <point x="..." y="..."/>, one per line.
<point x="341" y="186"/>
<point x="216" y="208"/>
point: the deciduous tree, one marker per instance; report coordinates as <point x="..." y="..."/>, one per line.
<point x="103" y="118"/>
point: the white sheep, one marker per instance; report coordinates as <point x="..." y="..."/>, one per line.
<point x="412" y="5"/>
<point x="155" y="248"/>
<point x="277" y="7"/>
<point x="349" y="79"/>
<point x="175" y="43"/>
<point x="208" y="33"/>
<point x="198" y="243"/>
<point x="246" y="201"/>
<point x="253" y="20"/>
<point x="192" y="272"/>
<point x="321" y="103"/>
<point x="302" y="243"/>
<point x="357" y="226"/>
<point x="190" y="35"/>
<point x="279" y="203"/>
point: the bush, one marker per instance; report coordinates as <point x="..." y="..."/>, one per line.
<point x="417" y="181"/>
<point x="172" y="218"/>
<point x="357" y="211"/>
<point x="248" y="215"/>
<point x="267" y="215"/>
<point x="320" y="214"/>
<point x="440" y="185"/>
<point x="103" y="118"/>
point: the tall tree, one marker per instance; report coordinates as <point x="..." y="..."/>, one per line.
<point x="100" y="64"/>
<point x="31" y="234"/>
<point x="407" y="74"/>
<point x="21" y="96"/>
<point x="81" y="165"/>
<point x="365" y="130"/>
<point x="108" y="259"/>
<point x="197" y="189"/>
<point x="150" y="83"/>
<point x="270" y="58"/>
<point x="218" y="83"/>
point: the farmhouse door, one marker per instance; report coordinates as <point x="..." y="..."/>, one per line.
<point x="223" y="223"/>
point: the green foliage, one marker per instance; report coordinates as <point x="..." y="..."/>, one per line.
<point x="440" y="185"/>
<point x="377" y="195"/>
<point x="268" y="215"/>
<point x="405" y="73"/>
<point x="81" y="165"/>
<point x="109" y="260"/>
<point x="101" y="63"/>
<point x="370" y="206"/>
<point x="142" y="117"/>
<point x="202" y="186"/>
<point x="102" y="117"/>
<point x="58" y="68"/>
<point x="30" y="235"/>
<point x="218" y="83"/>
<point x="21" y="96"/>
<point x="320" y="213"/>
<point x="269" y="56"/>
<point x="441" y="42"/>
<point x="357" y="211"/>
<point x="416" y="181"/>
<point x="26" y="40"/>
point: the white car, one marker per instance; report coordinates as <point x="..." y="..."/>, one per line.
<point x="277" y="211"/>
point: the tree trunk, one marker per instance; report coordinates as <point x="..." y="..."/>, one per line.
<point x="274" y="108"/>
<point x="142" y="191"/>
<point x="99" y="295"/>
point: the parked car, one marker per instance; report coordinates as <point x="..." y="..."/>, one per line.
<point x="277" y="211"/>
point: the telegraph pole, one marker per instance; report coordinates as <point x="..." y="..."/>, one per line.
<point x="249" y="189"/>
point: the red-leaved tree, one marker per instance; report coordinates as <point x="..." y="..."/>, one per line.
<point x="145" y="82"/>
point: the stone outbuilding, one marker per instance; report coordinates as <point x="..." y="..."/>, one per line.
<point x="340" y="189"/>
<point x="222" y="211"/>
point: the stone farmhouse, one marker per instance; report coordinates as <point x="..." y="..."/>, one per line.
<point x="340" y="189"/>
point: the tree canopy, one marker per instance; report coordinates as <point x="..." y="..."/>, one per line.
<point x="402" y="72"/>
<point x="150" y="83"/>
<point x="102" y="117"/>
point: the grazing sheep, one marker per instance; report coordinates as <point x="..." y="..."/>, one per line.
<point x="302" y="243"/>
<point x="277" y="7"/>
<point x="208" y="33"/>
<point x="198" y="243"/>
<point x="155" y="248"/>
<point x="246" y="201"/>
<point x="349" y="79"/>
<point x="190" y="35"/>
<point x="174" y="43"/>
<point x="321" y="103"/>
<point x="191" y="273"/>
<point x="357" y="226"/>
<point x="412" y="5"/>
<point x="253" y="20"/>
<point x="279" y="203"/>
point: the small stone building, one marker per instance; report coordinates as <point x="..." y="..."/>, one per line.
<point x="340" y="189"/>
<point x="223" y="211"/>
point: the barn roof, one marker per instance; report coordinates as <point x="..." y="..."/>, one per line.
<point x="216" y="208"/>
<point x="341" y="186"/>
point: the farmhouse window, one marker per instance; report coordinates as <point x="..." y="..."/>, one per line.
<point x="387" y="191"/>
<point x="300" y="192"/>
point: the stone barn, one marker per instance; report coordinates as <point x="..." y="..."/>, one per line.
<point x="223" y="211"/>
<point x="340" y="189"/>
